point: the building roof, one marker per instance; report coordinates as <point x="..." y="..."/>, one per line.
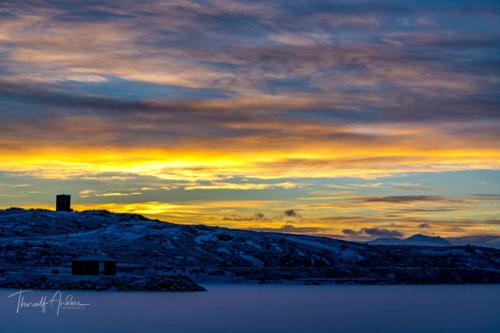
<point x="94" y="258"/>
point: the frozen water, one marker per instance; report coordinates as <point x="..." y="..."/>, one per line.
<point x="270" y="308"/>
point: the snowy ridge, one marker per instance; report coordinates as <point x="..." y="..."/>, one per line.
<point x="46" y="241"/>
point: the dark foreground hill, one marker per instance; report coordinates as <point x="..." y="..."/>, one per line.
<point x="37" y="246"/>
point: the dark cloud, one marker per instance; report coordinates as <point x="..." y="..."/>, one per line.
<point x="256" y="217"/>
<point x="492" y="221"/>
<point x="349" y="232"/>
<point x="291" y="213"/>
<point x="290" y="228"/>
<point x="487" y="196"/>
<point x="403" y="198"/>
<point x="430" y="210"/>
<point x="382" y="232"/>
<point x="372" y="232"/>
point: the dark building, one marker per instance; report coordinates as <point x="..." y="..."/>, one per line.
<point x="63" y="203"/>
<point x="93" y="265"/>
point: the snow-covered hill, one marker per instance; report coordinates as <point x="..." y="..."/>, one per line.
<point x="45" y="242"/>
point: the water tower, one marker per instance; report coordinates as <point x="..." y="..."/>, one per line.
<point x="63" y="203"/>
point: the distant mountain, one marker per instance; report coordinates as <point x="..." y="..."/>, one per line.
<point x="37" y="246"/>
<point x="427" y="240"/>
<point x="388" y="241"/>
<point x="415" y="240"/>
<point x="423" y="240"/>
<point x="485" y="241"/>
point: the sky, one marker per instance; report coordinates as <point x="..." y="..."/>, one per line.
<point x="352" y="119"/>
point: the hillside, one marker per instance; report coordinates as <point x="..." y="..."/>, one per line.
<point x="44" y="242"/>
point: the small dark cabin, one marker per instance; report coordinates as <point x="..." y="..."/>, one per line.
<point x="93" y="265"/>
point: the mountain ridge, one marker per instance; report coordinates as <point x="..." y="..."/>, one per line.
<point x="425" y="240"/>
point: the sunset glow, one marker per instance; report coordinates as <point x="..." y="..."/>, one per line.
<point x="351" y="119"/>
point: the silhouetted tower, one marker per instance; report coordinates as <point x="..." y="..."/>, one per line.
<point x="63" y="203"/>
